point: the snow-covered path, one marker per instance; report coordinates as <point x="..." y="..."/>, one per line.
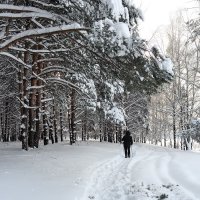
<point x="98" y="171"/>
<point x="152" y="173"/>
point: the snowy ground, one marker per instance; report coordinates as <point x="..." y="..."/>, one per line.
<point x="98" y="171"/>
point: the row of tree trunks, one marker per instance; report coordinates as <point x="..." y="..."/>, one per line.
<point x="8" y="123"/>
<point x="30" y="99"/>
<point x="84" y="129"/>
<point x="33" y="105"/>
<point x="111" y="132"/>
<point x="5" y="123"/>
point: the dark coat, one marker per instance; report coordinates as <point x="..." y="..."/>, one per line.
<point x="127" y="139"/>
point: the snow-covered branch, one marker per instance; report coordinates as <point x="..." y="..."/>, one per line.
<point x="6" y="54"/>
<point x="28" y="15"/>
<point x="42" y="32"/>
<point x="64" y="82"/>
<point x="52" y="69"/>
<point x="9" y="7"/>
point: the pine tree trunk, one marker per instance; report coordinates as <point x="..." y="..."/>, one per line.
<point x="73" y="115"/>
<point x="110" y="132"/>
<point x="37" y="126"/>
<point x="69" y="127"/>
<point x="101" y="118"/>
<point x="113" y="133"/>
<point x="38" y="103"/>
<point x="120" y="134"/>
<point x="45" y="125"/>
<point x="2" y="126"/>
<point x="85" y="130"/>
<point x="61" y="125"/>
<point x="84" y="127"/>
<point x="105" y="131"/>
<point x="82" y="130"/>
<point x="24" y="123"/>
<point x="116" y="133"/>
<point x="32" y="103"/>
<point x="51" y="129"/>
<point x="165" y="140"/>
<point x="0" y="130"/>
<point x="55" y="123"/>
<point x="100" y="130"/>
<point x="6" y="131"/>
<point x="21" y="93"/>
<point x="142" y="136"/>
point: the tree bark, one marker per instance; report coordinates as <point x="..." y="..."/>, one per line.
<point x="32" y="103"/>
<point x="61" y="125"/>
<point x="51" y="129"/>
<point x="45" y="124"/>
<point x="55" y="123"/>
<point x="24" y="123"/>
<point x="73" y="92"/>
<point x="38" y="103"/>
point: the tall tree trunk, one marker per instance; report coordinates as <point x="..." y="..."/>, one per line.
<point x="82" y="130"/>
<point x="45" y="124"/>
<point x="21" y="92"/>
<point x="61" y="125"/>
<point x="2" y="127"/>
<point x="24" y="123"/>
<point x="55" y="123"/>
<point x="6" y="131"/>
<point x="100" y="129"/>
<point x="51" y="129"/>
<point x="32" y="103"/>
<point x="69" y="127"/>
<point x="105" y="135"/>
<point x="116" y="133"/>
<point x="120" y="134"/>
<point x="84" y="126"/>
<point x="73" y="115"/>
<point x="38" y="102"/>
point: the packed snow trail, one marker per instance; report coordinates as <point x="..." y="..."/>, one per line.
<point x="99" y="171"/>
<point x="52" y="172"/>
<point x="152" y="173"/>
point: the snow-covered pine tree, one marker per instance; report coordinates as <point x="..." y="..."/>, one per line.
<point x="53" y="39"/>
<point x="34" y="24"/>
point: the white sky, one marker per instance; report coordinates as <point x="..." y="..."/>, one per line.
<point x="157" y="13"/>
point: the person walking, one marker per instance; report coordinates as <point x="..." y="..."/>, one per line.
<point x="127" y="141"/>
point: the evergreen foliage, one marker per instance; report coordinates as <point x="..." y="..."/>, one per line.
<point x="75" y="61"/>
